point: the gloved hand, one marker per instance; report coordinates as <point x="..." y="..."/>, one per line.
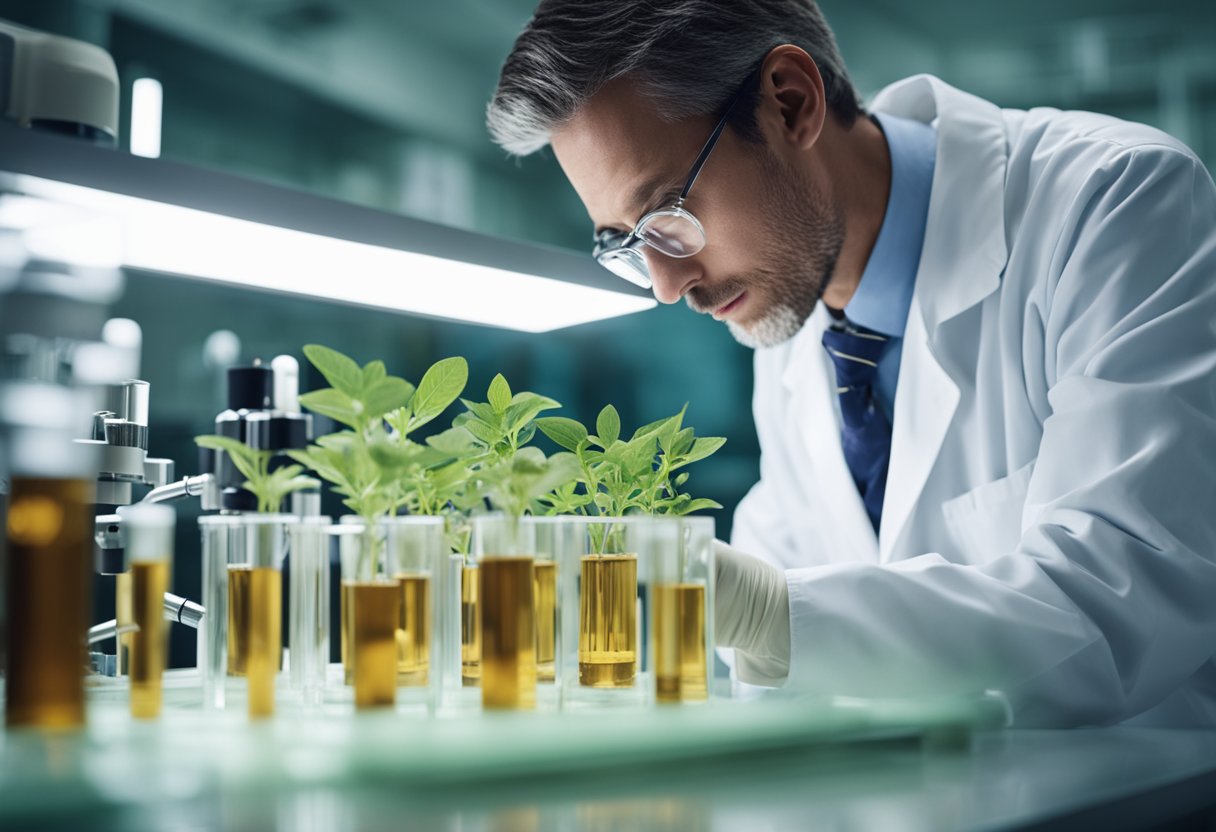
<point x="752" y="615"/>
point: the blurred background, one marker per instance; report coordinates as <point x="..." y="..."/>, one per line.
<point x="381" y="102"/>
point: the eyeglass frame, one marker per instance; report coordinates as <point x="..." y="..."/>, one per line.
<point x="605" y="246"/>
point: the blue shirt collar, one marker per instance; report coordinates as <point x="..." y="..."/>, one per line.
<point x="884" y="294"/>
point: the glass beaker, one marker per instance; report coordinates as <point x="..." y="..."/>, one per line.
<point x="371" y="608"/>
<point x="679" y="553"/>
<point x="504" y="553"/>
<point x="308" y="609"/>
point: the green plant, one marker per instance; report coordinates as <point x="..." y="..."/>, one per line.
<point x="374" y="464"/>
<point x="640" y="475"/>
<point x="269" y="487"/>
<point x="509" y="475"/>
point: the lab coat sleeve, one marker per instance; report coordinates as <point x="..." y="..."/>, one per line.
<point x="1108" y="602"/>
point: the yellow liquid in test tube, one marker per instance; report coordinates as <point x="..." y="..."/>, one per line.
<point x="49" y="535"/>
<point x="470" y="628"/>
<point x="148" y="646"/>
<point x="544" y="588"/>
<point x="414" y="631"/>
<point x="508" y="633"/>
<point x="375" y="609"/>
<point x="679" y="642"/>
<point x="607" y="621"/>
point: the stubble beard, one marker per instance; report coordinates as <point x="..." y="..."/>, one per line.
<point x="795" y="267"/>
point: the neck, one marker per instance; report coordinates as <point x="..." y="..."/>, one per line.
<point x="857" y="165"/>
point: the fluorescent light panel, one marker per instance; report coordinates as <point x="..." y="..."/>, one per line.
<point x="183" y="241"/>
<point x="146" y="105"/>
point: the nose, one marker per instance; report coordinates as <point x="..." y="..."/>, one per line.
<point x="671" y="277"/>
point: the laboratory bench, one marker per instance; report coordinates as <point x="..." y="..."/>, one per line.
<point x="765" y="764"/>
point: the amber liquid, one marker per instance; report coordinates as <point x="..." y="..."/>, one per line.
<point x="544" y="590"/>
<point x="123" y="616"/>
<point x="255" y="645"/>
<point x="414" y="631"/>
<point x="607" y="621"/>
<point x="375" y="609"/>
<point x="49" y="536"/>
<point x="508" y="633"/>
<point x="148" y="646"/>
<point x="345" y="602"/>
<point x="470" y="628"/>
<point x="679" y="643"/>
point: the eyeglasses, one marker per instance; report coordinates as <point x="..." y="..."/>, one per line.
<point x="673" y="231"/>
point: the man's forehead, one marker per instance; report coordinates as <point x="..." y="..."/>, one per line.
<point x="618" y="152"/>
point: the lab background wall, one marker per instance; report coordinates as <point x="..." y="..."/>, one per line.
<point x="381" y="102"/>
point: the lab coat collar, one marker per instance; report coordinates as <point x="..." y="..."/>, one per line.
<point x="964" y="253"/>
<point x="967" y="202"/>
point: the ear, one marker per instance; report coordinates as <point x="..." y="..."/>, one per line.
<point x="792" y="107"/>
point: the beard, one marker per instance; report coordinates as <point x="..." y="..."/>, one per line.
<point x="795" y="265"/>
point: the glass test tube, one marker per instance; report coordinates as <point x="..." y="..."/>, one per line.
<point x="679" y="552"/>
<point x="148" y="542"/>
<point x="504" y="550"/>
<point x="308" y="608"/>
<point x="371" y="611"/>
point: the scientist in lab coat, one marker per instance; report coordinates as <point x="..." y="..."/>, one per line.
<point x="985" y="367"/>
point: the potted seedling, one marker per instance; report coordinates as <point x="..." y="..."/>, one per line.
<point x="511" y="477"/>
<point x="619" y="478"/>
<point x="242" y="581"/>
<point x="379" y="413"/>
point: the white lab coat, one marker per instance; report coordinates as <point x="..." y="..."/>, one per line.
<point x="1049" y="525"/>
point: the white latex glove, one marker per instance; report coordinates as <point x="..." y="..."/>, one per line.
<point x="752" y="615"/>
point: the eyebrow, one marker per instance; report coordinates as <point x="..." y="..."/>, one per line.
<point x="647" y="192"/>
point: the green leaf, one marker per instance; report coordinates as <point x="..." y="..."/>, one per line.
<point x="341" y="372"/>
<point x="567" y="433"/>
<point x="638" y="456"/>
<point x="373" y="373"/>
<point x="682" y="443"/>
<point x="456" y="441"/>
<point x="608" y="426"/>
<point x="389" y="394"/>
<point x="524" y="411"/>
<point x="699" y="505"/>
<point x="701" y="448"/>
<point x="486" y="433"/>
<point x="244" y="458"/>
<point x="333" y="403"/>
<point x="440" y="386"/>
<point x="499" y="394"/>
<point x="482" y="411"/>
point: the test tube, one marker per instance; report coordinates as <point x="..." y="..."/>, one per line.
<point x="504" y="550"/>
<point x="308" y="608"/>
<point x="148" y="542"/>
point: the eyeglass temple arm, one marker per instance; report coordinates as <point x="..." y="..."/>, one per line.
<point x="713" y="138"/>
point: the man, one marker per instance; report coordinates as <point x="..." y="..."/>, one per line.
<point x="985" y="352"/>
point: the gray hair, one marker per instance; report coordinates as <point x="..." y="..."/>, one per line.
<point x="688" y="56"/>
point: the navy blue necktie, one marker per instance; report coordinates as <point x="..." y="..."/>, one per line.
<point x="865" y="432"/>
